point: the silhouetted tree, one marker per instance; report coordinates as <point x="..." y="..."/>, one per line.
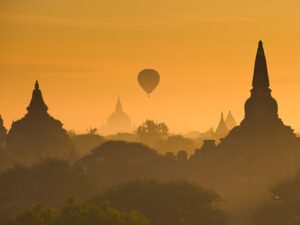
<point x="73" y="213"/>
<point x="170" y="155"/>
<point x="48" y="182"/>
<point x="71" y="133"/>
<point x="92" y="131"/>
<point x="182" y="155"/>
<point x="284" y="206"/>
<point x="118" y="161"/>
<point x="173" y="203"/>
<point x="84" y="143"/>
<point x="129" y="137"/>
<point x="120" y="151"/>
<point x="175" y="143"/>
<point x="149" y="132"/>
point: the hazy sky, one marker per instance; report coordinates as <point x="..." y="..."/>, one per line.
<point x="87" y="52"/>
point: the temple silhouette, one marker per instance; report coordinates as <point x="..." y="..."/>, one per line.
<point x="222" y="129"/>
<point x="230" y="121"/>
<point x="261" y="129"/>
<point x="118" y="121"/>
<point x="38" y="135"/>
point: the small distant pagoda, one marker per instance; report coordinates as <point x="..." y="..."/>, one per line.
<point x="230" y="121"/>
<point x="118" y="121"/>
<point x="222" y="129"/>
<point x="38" y="135"/>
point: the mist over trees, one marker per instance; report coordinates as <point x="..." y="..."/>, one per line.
<point x="283" y="207"/>
<point x="108" y="167"/>
<point x="83" y="143"/>
<point x="248" y="174"/>
<point x="168" y="202"/>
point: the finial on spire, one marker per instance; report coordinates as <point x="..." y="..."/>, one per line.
<point x="222" y="128"/>
<point x="119" y="104"/>
<point x="37" y="86"/>
<point x="222" y="116"/>
<point x="260" y="76"/>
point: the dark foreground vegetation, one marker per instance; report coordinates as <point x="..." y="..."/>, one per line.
<point x="131" y="182"/>
<point x="35" y="196"/>
<point x="72" y="213"/>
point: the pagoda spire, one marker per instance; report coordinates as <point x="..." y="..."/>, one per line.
<point x="261" y="106"/>
<point x="37" y="104"/>
<point x="260" y="76"/>
<point x="222" y="128"/>
<point x="230" y="121"/>
<point x="119" y="105"/>
<point x="36" y="86"/>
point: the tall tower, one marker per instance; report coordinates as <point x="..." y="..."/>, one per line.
<point x="260" y="108"/>
<point x="261" y="125"/>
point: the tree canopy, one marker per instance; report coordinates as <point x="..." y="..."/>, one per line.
<point x="150" y="131"/>
<point x="73" y="213"/>
<point x="164" y="203"/>
<point x="284" y="205"/>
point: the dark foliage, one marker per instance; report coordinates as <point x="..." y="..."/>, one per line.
<point x="118" y="161"/>
<point x="174" y="144"/>
<point x="150" y="132"/>
<point x="173" y="203"/>
<point x="284" y="206"/>
<point x="84" y="143"/>
<point x="72" y="213"/>
<point x="50" y="182"/>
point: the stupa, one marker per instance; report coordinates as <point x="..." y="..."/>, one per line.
<point x="38" y="135"/>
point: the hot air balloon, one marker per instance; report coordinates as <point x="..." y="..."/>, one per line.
<point x="148" y="80"/>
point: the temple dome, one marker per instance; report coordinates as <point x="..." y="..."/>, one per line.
<point x="118" y="121"/>
<point x="261" y="108"/>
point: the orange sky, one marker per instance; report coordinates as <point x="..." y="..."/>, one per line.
<point x="87" y="52"/>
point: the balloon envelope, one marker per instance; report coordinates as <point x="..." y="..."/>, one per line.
<point x="148" y="79"/>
